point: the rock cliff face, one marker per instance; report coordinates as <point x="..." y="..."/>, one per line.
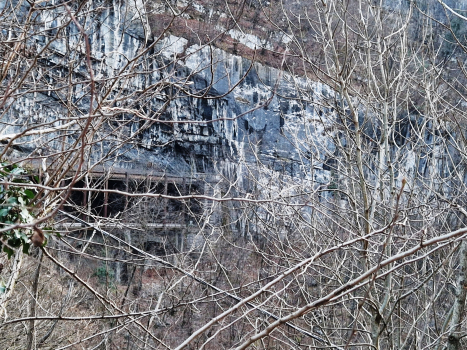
<point x="250" y="111"/>
<point x="195" y="107"/>
<point x="241" y="110"/>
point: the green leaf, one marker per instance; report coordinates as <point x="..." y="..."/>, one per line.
<point x="12" y="200"/>
<point x="18" y="171"/>
<point x="29" y="193"/>
<point x="4" y="212"/>
<point x="9" y="251"/>
<point x="23" y="236"/>
<point x="26" y="247"/>
<point x="14" y="242"/>
<point x="19" y="181"/>
<point x="25" y="215"/>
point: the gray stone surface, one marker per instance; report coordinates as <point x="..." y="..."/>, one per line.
<point x="246" y="116"/>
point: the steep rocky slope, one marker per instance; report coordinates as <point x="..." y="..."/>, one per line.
<point x="188" y="86"/>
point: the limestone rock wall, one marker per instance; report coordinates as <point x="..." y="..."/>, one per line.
<point x="223" y="112"/>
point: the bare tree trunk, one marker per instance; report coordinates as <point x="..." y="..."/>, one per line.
<point x="32" y="311"/>
<point x="17" y="262"/>
<point x="459" y="303"/>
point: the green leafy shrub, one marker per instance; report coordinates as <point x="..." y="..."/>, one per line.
<point x="15" y="207"/>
